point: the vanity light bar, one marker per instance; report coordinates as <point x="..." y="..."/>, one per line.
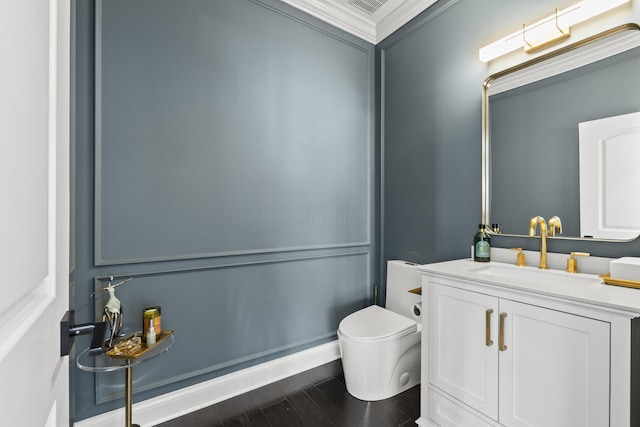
<point x="552" y="28"/>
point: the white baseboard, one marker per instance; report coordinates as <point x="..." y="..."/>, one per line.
<point x="180" y="402"/>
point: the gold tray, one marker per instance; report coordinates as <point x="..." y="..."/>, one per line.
<point x="620" y="282"/>
<point x="143" y="347"/>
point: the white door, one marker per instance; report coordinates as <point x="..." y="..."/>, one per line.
<point x="463" y="355"/>
<point x="555" y="369"/>
<point x="34" y="211"/>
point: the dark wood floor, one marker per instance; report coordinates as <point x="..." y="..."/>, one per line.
<point x="313" y="398"/>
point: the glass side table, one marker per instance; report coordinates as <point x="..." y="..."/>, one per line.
<point x="109" y="362"/>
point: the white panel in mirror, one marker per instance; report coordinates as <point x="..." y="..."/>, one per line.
<point x="609" y="173"/>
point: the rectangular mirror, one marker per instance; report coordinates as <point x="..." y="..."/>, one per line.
<point x="531" y="144"/>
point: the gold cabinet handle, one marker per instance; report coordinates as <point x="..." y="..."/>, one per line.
<point x="501" y="345"/>
<point x="488" y="340"/>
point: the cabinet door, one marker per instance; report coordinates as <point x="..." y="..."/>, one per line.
<point x="554" y="370"/>
<point x="462" y="362"/>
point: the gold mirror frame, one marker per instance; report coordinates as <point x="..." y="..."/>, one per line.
<point x="485" y="117"/>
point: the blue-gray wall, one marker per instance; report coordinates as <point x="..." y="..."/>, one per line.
<point x="225" y="158"/>
<point x="431" y="134"/>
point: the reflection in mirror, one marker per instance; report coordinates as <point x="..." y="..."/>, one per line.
<point x="610" y="177"/>
<point x="531" y="138"/>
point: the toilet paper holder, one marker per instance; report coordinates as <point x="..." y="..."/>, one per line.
<point x="417" y="309"/>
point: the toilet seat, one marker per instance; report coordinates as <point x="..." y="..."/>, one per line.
<point x="375" y="323"/>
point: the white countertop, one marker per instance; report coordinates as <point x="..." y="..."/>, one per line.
<point x="584" y="288"/>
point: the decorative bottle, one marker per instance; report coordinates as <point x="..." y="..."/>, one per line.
<point x="482" y="245"/>
<point x="151" y="334"/>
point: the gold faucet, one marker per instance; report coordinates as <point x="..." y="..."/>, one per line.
<point x="543" y="238"/>
<point x="555" y="226"/>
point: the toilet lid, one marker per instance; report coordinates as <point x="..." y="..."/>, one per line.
<point x="375" y="322"/>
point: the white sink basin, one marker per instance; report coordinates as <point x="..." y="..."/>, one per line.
<point x="581" y="287"/>
<point x="533" y="274"/>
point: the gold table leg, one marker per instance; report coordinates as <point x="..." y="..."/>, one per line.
<point x="128" y="396"/>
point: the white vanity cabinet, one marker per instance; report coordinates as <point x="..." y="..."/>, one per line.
<point x="518" y="364"/>
<point x="504" y="356"/>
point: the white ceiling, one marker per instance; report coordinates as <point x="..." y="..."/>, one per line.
<point x="371" y="20"/>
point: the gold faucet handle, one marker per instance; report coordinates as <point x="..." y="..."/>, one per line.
<point x="572" y="262"/>
<point x="520" y="262"/>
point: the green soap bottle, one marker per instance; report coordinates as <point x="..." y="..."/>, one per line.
<point x="482" y="245"/>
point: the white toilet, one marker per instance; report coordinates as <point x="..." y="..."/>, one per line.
<point x="380" y="347"/>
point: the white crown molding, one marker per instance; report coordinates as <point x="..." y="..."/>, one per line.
<point x="391" y="22"/>
<point x="338" y="16"/>
<point x="372" y="28"/>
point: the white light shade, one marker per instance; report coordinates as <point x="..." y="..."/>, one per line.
<point x="548" y="28"/>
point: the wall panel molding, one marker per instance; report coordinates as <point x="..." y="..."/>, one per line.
<point x="99" y="280"/>
<point x="296" y="303"/>
<point x="148" y="214"/>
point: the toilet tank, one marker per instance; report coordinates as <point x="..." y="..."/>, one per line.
<point x="402" y="276"/>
